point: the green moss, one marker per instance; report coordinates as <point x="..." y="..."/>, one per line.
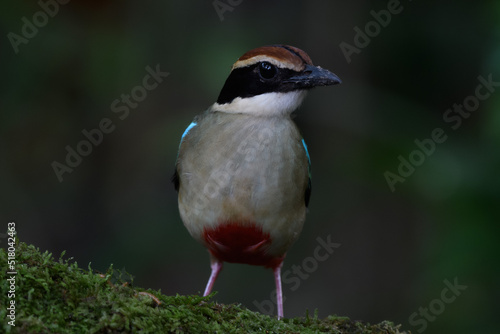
<point x="56" y="296"/>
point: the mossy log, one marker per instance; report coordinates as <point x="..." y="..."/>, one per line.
<point x="56" y="296"/>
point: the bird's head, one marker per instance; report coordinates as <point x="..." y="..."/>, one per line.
<point x="271" y="81"/>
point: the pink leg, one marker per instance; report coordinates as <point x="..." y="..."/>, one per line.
<point x="279" y="293"/>
<point x="216" y="266"/>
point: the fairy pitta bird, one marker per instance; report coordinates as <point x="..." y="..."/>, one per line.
<point x="243" y="169"/>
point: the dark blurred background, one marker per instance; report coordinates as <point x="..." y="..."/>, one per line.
<point x="118" y="205"/>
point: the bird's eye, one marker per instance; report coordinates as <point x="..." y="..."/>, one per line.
<point x="267" y="70"/>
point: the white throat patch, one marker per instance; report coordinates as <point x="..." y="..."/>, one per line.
<point x="267" y="104"/>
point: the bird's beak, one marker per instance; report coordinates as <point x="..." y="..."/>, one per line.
<point x="313" y="76"/>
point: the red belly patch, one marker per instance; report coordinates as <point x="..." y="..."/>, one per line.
<point x="240" y="243"/>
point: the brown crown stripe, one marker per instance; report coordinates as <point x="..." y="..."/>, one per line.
<point x="287" y="56"/>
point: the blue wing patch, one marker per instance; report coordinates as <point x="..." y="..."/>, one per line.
<point x="192" y="125"/>
<point x="308" y="157"/>
<point x="309" y="187"/>
<point x="175" y="177"/>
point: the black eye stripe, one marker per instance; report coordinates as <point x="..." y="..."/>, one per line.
<point x="248" y="81"/>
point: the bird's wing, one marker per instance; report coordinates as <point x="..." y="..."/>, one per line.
<point x="308" y="189"/>
<point x="175" y="178"/>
